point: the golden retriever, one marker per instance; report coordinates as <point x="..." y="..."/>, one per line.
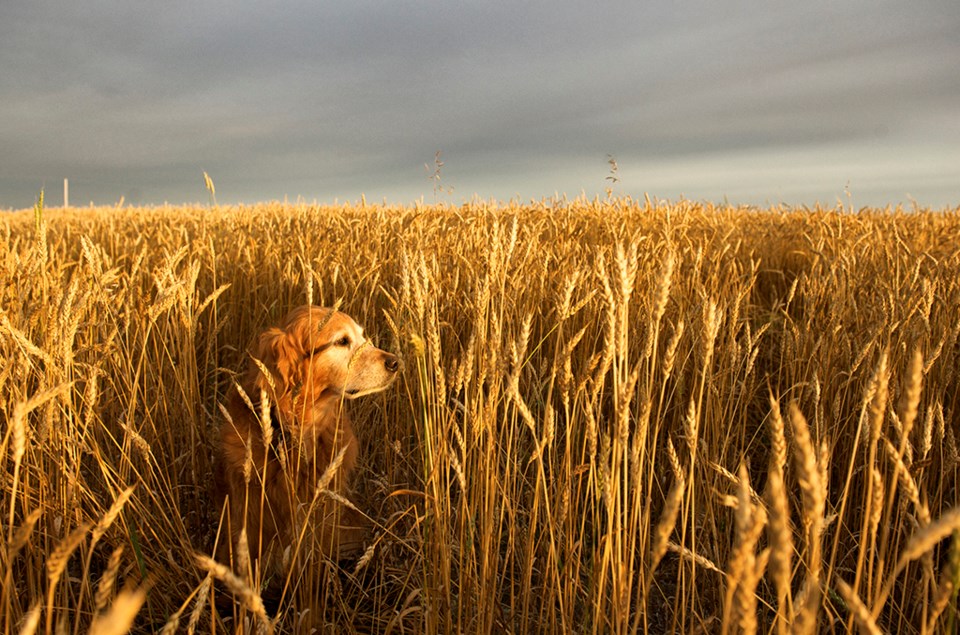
<point x="275" y="454"/>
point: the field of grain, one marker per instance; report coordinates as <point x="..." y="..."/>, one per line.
<point x="615" y="417"/>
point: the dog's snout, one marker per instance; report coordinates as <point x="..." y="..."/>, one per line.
<point x="392" y="363"/>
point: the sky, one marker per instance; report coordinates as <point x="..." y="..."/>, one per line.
<point x="759" y="103"/>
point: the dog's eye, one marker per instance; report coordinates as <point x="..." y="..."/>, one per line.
<point x="343" y="341"/>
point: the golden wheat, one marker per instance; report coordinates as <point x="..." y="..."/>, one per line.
<point x="119" y="617"/>
<point x="523" y="475"/>
<point x="108" y="580"/>
<point x="860" y="612"/>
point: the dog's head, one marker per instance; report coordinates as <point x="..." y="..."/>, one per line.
<point x="319" y="352"/>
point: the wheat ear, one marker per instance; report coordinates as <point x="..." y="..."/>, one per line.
<point x="119" y="618"/>
<point x="920" y="543"/>
<point x="250" y="598"/>
<point x="31" y="620"/>
<point x="779" y="529"/>
<point x="111" y="515"/>
<point x="200" y="603"/>
<point x="105" y="586"/>
<point x="57" y="563"/>
<point x="809" y="477"/>
<point x="668" y="517"/>
<point x="859" y="610"/>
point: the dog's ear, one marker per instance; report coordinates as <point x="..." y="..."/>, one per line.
<point x="281" y="355"/>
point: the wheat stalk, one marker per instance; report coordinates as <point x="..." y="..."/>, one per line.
<point x="928" y="537"/>
<point x="858" y="609"/>
<point x="108" y="579"/>
<point x="18" y="426"/>
<point x="22" y="535"/>
<point x="670" y="356"/>
<point x="250" y="598"/>
<point x="133" y="303"/>
<point x="947" y="588"/>
<point x="119" y="618"/>
<point x="660" y="304"/>
<point x="879" y="389"/>
<point x="908" y="484"/>
<point x="809" y="477"/>
<point x="243" y="553"/>
<point x="919" y="544"/>
<point x="28" y="626"/>
<point x="330" y="472"/>
<point x="115" y="508"/>
<point x="779" y="529"/>
<point x="57" y="563"/>
<point x="671" y="508"/>
<point x="200" y="603"/>
<point x="695" y="558"/>
<point x="911" y="396"/>
<point x="743" y="572"/>
<point x="266" y="423"/>
<point x="365" y="558"/>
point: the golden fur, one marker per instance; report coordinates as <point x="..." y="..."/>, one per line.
<point x="315" y="359"/>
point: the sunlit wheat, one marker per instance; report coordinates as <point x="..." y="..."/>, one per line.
<point x="587" y="435"/>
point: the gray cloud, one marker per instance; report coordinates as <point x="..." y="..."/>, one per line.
<point x="324" y="100"/>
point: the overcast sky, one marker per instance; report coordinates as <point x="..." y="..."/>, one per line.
<point x="755" y="102"/>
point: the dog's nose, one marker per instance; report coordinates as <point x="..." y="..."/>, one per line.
<point x="392" y="363"/>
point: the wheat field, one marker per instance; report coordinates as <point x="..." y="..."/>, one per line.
<point x="615" y="416"/>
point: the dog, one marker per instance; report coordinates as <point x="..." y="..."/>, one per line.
<point x="284" y="431"/>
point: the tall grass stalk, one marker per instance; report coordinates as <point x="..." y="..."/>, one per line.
<point x="615" y="417"/>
